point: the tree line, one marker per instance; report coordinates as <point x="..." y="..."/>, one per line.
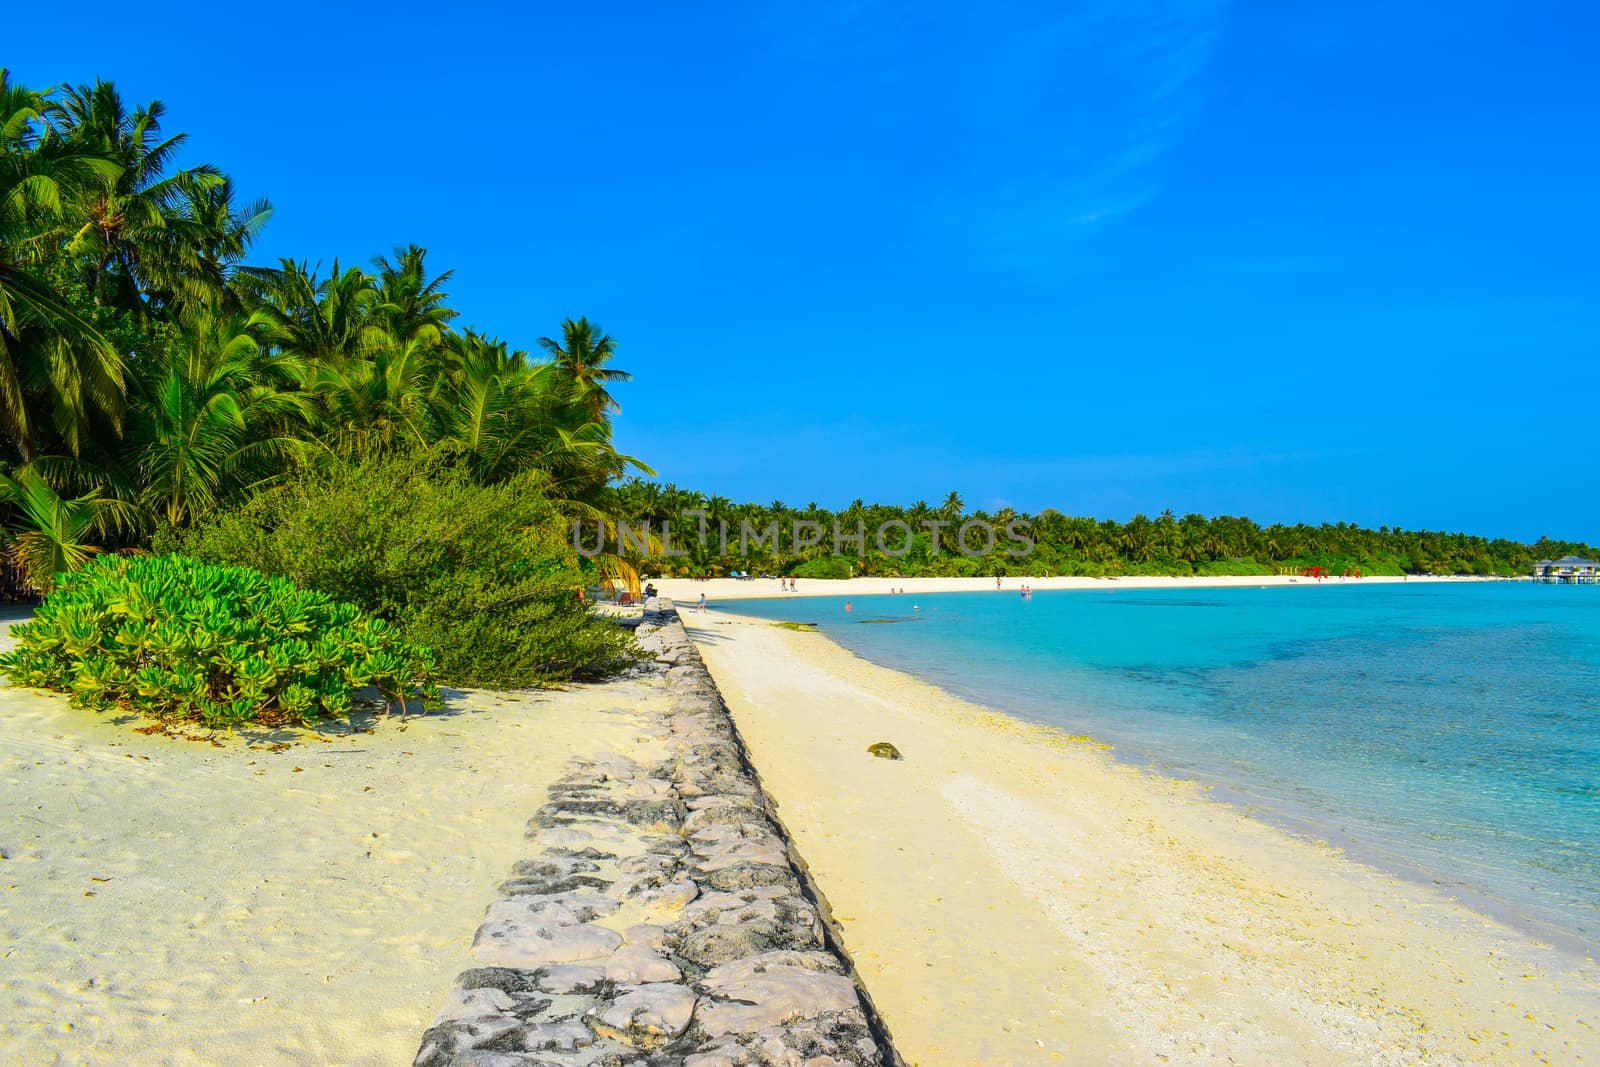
<point x="1167" y="544"/>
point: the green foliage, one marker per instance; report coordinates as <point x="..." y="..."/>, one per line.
<point x="173" y="638"/>
<point x="144" y="362"/>
<point x="1217" y="568"/>
<point x="50" y="533"/>
<point x="829" y="567"/>
<point x="208" y="418"/>
<point x="486" y="576"/>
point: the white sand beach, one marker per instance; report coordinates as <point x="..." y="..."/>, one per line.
<point x="686" y="591"/>
<point x="167" y="901"/>
<point x="1011" y="895"/>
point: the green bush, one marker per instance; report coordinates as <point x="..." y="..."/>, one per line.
<point x="831" y="567"/>
<point x="485" y="576"/>
<point x="1219" y="568"/>
<point x="173" y="638"/>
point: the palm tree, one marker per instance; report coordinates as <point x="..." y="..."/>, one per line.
<point x="52" y="357"/>
<point x="51" y="534"/>
<point x="322" y="321"/>
<point x="224" y="230"/>
<point x="510" y="414"/>
<point x="133" y="238"/>
<point x="493" y="405"/>
<point x="582" y="357"/>
<point x="209" y="418"/>
<point x="371" y="405"/>
<point x="411" y="306"/>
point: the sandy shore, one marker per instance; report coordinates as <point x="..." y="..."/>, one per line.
<point x="1011" y="895"/>
<point x="169" y="902"/>
<point x="686" y="591"/>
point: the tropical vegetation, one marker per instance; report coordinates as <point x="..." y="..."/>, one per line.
<point x="154" y="379"/>
<point x="151" y="373"/>
<point x="1061" y="544"/>
<point x="483" y="575"/>
<point x="222" y="646"/>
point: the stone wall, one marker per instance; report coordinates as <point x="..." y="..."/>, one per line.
<point x="661" y="917"/>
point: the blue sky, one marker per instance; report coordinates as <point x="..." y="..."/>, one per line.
<point x="1110" y="257"/>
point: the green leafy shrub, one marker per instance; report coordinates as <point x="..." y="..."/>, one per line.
<point x="173" y="638"/>
<point x="485" y="576"/>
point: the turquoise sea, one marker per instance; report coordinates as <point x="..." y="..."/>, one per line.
<point x="1450" y="733"/>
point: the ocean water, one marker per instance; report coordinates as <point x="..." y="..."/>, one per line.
<point x="1447" y="732"/>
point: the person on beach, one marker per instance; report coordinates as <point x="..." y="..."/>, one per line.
<point x="997" y="582"/>
<point x="702" y="605"/>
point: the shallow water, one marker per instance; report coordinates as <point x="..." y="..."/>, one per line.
<point x="1451" y="732"/>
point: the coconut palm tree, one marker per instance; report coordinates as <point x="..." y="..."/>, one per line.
<point x="224" y="229"/>
<point x="581" y="357"/>
<point x="211" y="418"/>
<point x="494" y="406"/>
<point x="51" y="534"/>
<point x="134" y="242"/>
<point x="321" y="321"/>
<point x="370" y="405"/>
<point x="56" y="368"/>
<point x="412" y="306"/>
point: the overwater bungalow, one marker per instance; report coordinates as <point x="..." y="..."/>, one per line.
<point x="1568" y="570"/>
